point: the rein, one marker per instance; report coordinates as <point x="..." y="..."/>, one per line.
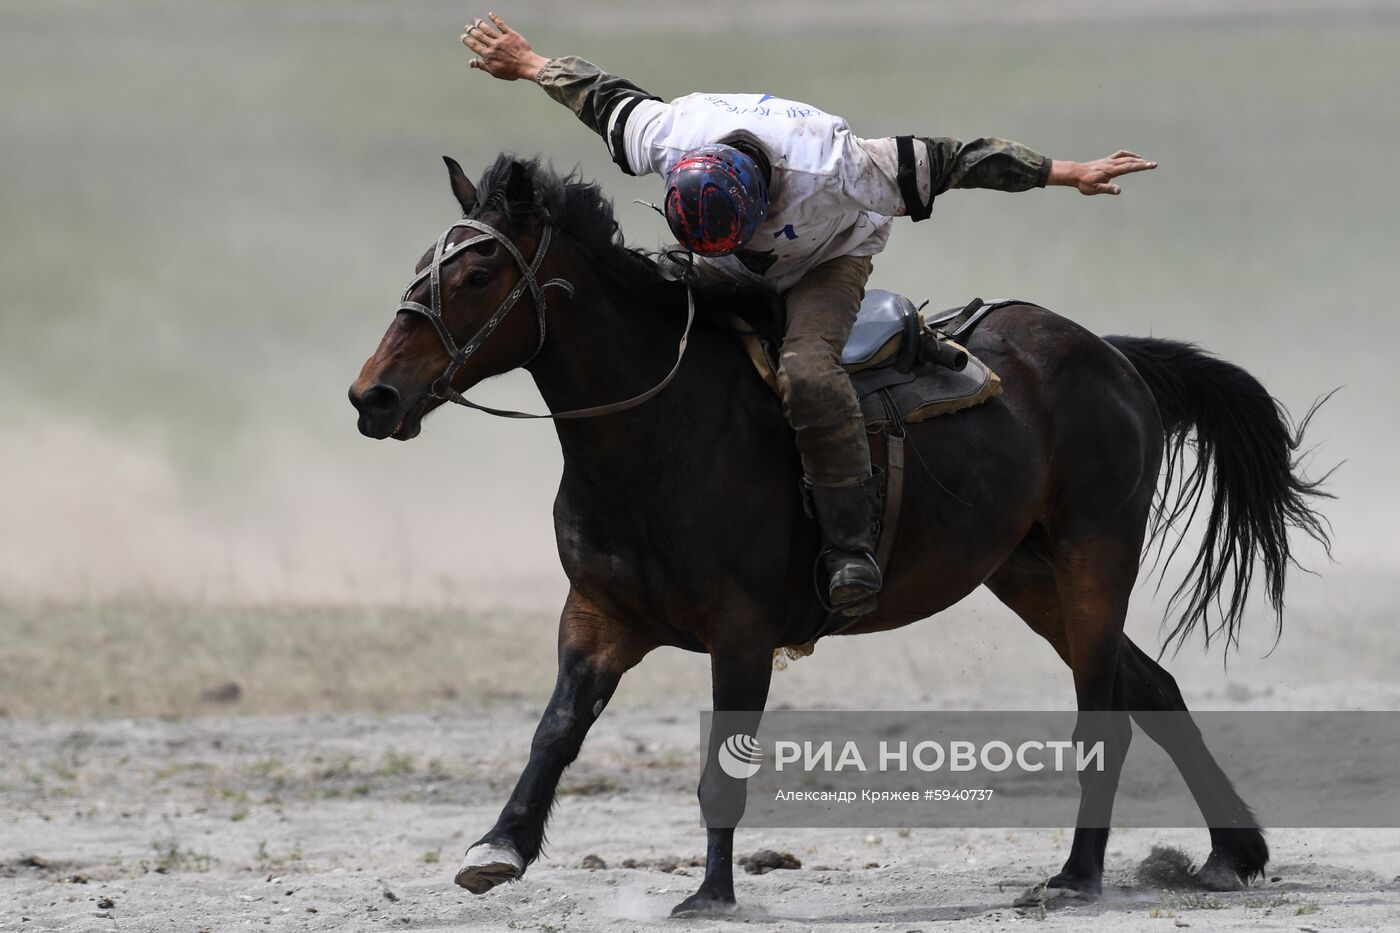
<point x="457" y="355"/>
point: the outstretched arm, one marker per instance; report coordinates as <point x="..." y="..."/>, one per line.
<point x="1007" y="166"/>
<point x="905" y="174"/>
<point x="601" y="100"/>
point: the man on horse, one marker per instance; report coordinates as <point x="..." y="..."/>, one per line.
<point x="779" y="195"/>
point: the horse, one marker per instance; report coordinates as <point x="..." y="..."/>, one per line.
<point x="680" y="521"/>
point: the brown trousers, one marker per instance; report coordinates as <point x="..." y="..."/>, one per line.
<point x="817" y="396"/>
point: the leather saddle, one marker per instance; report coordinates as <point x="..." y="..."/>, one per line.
<point x="880" y="331"/>
<point x="906" y="366"/>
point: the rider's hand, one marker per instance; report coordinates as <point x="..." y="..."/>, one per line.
<point x="1097" y="177"/>
<point x="503" y="52"/>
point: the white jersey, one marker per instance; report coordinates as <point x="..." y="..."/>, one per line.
<point x="832" y="193"/>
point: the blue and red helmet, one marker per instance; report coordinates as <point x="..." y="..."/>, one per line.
<point x="715" y="199"/>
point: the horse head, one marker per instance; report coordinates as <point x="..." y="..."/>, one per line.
<point x="455" y="326"/>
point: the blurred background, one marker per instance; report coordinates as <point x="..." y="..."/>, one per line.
<point x="209" y="211"/>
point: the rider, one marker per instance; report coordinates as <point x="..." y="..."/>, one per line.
<point x="779" y="194"/>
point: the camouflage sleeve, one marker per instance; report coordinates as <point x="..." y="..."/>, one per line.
<point x="898" y="177"/>
<point x="602" y="101"/>
<point x="999" y="164"/>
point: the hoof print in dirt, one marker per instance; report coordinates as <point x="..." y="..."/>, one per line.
<point x="488" y="865"/>
<point x="765" y="860"/>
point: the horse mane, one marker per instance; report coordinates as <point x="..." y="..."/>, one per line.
<point x="579" y="208"/>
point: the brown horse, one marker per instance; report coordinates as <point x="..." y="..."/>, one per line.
<point x="679" y="522"/>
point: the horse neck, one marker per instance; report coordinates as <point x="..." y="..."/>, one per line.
<point x="604" y="344"/>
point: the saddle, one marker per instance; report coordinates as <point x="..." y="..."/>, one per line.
<point x="905" y="367"/>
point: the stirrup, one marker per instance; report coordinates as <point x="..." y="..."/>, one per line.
<point x="822" y="580"/>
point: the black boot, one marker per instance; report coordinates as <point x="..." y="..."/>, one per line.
<point x="846" y="515"/>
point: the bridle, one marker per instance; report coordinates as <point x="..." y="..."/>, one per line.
<point x="459" y="354"/>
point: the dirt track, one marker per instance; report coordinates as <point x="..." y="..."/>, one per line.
<point x="357" y="822"/>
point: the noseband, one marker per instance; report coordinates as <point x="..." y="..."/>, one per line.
<point x="457" y="355"/>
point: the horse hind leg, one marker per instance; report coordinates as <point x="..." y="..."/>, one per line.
<point x="1238" y="852"/>
<point x="1026" y="585"/>
<point x="1076" y="596"/>
<point x="741" y="673"/>
<point x="1094" y="578"/>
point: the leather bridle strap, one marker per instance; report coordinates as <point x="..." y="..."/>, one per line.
<point x="457" y="355"/>
<point x="600" y="410"/>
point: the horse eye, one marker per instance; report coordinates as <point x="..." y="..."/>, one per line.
<point x="478" y="278"/>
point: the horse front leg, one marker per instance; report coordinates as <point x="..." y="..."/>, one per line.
<point x="740" y="675"/>
<point x="595" y="649"/>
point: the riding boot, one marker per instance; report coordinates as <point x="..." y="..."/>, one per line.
<point x="847" y="516"/>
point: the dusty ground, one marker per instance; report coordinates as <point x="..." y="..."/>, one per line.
<point x="139" y="790"/>
<point x="319" y="822"/>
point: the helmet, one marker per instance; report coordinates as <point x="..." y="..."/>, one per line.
<point x="715" y="199"/>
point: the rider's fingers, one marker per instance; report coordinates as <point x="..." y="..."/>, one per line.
<point x="475" y="44"/>
<point x="1125" y="154"/>
<point x="1128" y="166"/>
<point x="500" y="24"/>
<point x="482" y="35"/>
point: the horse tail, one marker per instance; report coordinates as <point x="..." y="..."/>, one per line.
<point x="1246" y="450"/>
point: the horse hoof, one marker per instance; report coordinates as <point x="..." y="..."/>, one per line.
<point x="703" y="903"/>
<point x="1049" y="898"/>
<point x="488" y="864"/>
<point x="1217" y="876"/>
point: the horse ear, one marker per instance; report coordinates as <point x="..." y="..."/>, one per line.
<point x="462" y="186"/>
<point x="520" y="188"/>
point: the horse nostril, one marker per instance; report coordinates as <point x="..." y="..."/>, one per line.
<point x="377" y="399"/>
